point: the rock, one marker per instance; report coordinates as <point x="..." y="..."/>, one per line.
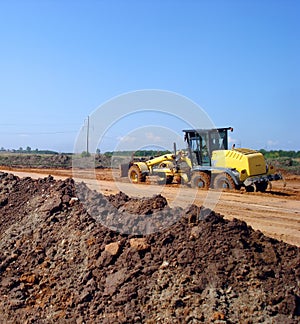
<point x="73" y="200"/>
<point x="218" y="316"/>
<point x="195" y="233"/>
<point x="3" y="201"/>
<point x="139" y="244"/>
<point x="51" y="204"/>
<point x="113" y="248"/>
<point x="28" y="278"/>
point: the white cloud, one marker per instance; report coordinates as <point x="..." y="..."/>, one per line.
<point x="153" y="138"/>
<point x="272" y="143"/>
<point x="148" y="137"/>
<point x="127" y="139"/>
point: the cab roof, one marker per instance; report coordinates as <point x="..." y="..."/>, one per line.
<point x="203" y="130"/>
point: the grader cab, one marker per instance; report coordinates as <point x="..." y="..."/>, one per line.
<point x="214" y="165"/>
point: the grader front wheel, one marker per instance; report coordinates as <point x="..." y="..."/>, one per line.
<point x="135" y="175"/>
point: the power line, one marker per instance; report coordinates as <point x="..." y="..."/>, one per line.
<point x="38" y="133"/>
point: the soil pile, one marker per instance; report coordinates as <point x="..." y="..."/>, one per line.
<point x="128" y="215"/>
<point x="59" y="161"/>
<point x="36" y="160"/>
<point x="60" y="265"/>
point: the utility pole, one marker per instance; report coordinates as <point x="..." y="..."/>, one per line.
<point x="87" y="134"/>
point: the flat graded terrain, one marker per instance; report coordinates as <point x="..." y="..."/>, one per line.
<point x="276" y="212"/>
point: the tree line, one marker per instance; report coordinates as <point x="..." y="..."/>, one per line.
<point x="27" y="150"/>
<point x="273" y="154"/>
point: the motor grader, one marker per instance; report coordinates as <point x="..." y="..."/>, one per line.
<point x="208" y="163"/>
<point x="163" y="168"/>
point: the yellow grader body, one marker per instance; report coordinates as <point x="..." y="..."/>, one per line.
<point x="208" y="164"/>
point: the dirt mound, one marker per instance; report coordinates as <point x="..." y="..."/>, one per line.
<point x="138" y="206"/>
<point x="36" y="160"/>
<point x="42" y="161"/>
<point x="128" y="215"/>
<point x="60" y="265"/>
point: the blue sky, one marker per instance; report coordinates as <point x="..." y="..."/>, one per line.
<point x="60" y="60"/>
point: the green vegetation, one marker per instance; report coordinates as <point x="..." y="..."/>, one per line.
<point x="288" y="161"/>
<point x="280" y="154"/>
<point x="28" y="150"/>
<point x="85" y="154"/>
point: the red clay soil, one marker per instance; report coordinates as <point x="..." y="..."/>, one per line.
<point x="60" y="265"/>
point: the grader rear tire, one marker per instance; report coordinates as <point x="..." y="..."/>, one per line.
<point x="261" y="186"/>
<point x="200" y="180"/>
<point x="135" y="174"/>
<point x="224" y="181"/>
<point x="250" y="188"/>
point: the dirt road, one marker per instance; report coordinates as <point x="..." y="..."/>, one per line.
<point x="276" y="213"/>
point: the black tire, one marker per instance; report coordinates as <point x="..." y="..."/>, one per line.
<point x="135" y="174"/>
<point x="165" y="179"/>
<point x="261" y="186"/>
<point x="200" y="180"/>
<point x="169" y="179"/>
<point x="224" y="181"/>
<point x="249" y="189"/>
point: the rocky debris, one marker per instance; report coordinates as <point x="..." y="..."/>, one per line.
<point x="58" y="264"/>
<point x="141" y="206"/>
<point x="128" y="215"/>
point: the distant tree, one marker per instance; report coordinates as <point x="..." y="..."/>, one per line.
<point x="85" y="154"/>
<point x="20" y="149"/>
<point x="28" y="149"/>
<point x="280" y="154"/>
